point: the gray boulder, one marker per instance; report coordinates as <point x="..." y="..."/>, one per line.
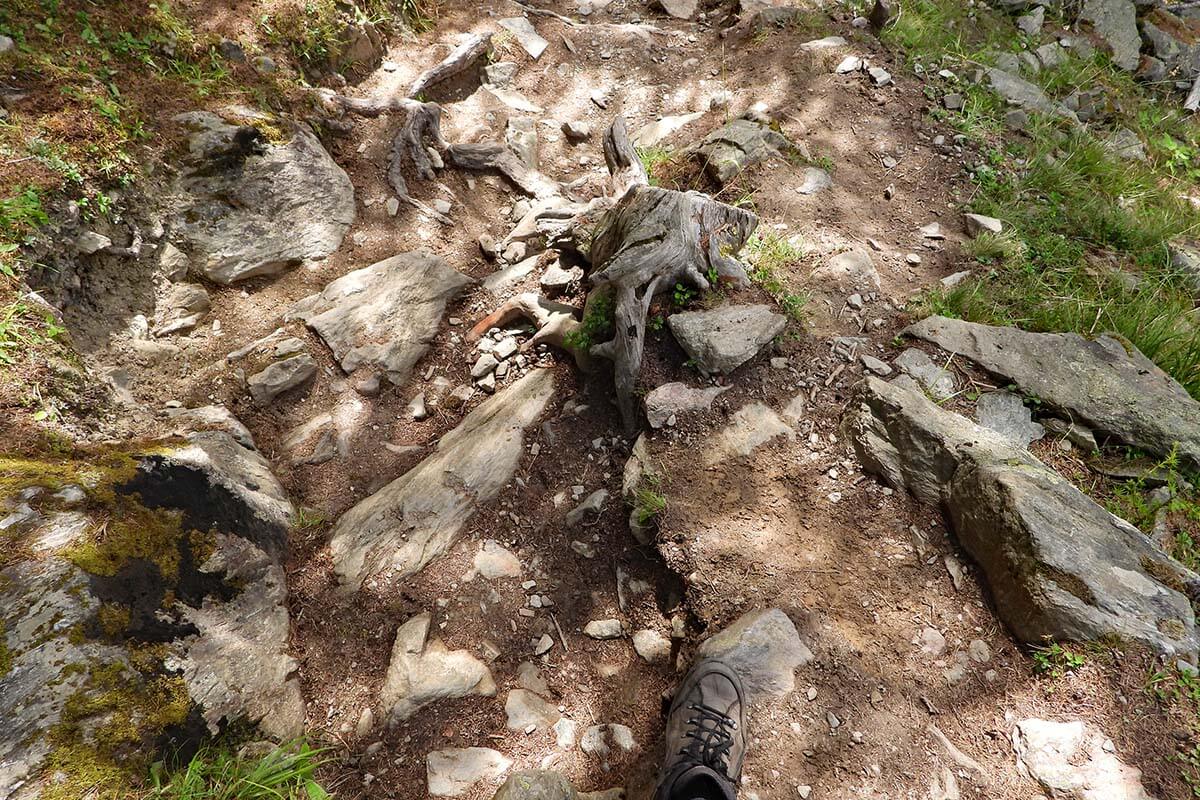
<point x="764" y="648"/>
<point x="1057" y="564"/>
<point x="246" y="208"/>
<point x="721" y="340"/>
<point x="415" y="518"/>
<point x="751" y="427"/>
<point x="424" y="670"/>
<point x="1073" y="760"/>
<point x="1105" y="383"/>
<point x="536" y="785"/>
<point x="384" y="316"/>
<point x="214" y="603"/>
<point x="1115" y="22"/>
<point x="280" y="377"/>
<point x="1025" y="95"/>
<point x="670" y="399"/>
<point x="847" y="271"/>
<point x="1185" y="260"/>
<point x="453" y="772"/>
<point x="737" y="145"/>
<point x="1006" y="414"/>
<point x="1178" y="52"/>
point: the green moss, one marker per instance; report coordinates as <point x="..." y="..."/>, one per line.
<point x="102" y="743"/>
<point x="6" y="658"/>
<point x="113" y="619"/>
<point x="130" y="531"/>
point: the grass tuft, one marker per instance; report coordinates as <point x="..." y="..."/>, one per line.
<point x="285" y="773"/>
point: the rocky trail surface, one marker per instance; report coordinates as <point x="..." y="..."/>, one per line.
<point x="443" y="546"/>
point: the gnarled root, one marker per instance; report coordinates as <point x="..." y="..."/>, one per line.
<point x="554" y="323"/>
<point x="496" y="156"/>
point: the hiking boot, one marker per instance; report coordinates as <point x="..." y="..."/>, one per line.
<point x="706" y="736"/>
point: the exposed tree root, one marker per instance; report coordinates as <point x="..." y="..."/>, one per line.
<point x="465" y="56"/>
<point x="554" y="323"/>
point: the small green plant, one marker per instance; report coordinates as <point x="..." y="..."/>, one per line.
<point x="285" y="773"/>
<point x="653" y="160"/>
<point x="1055" y="661"/>
<point x="771" y="257"/>
<point x="682" y="296"/>
<point x="24" y="329"/>
<point x="597" y="325"/>
<point x="307" y="518"/>
<point x="21" y="213"/>
<point x="649" y="502"/>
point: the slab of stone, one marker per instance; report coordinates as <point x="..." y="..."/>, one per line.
<point x="737" y="145"/>
<point x="1072" y="760"/>
<point x="494" y="561"/>
<point x="652" y="133"/>
<point x="671" y="399"/>
<point x="1025" y="95"/>
<point x="765" y="650"/>
<point x="529" y="39"/>
<point x="815" y="180"/>
<point x="652" y="646"/>
<point x="751" y="427"/>
<point x="604" y="629"/>
<point x="829" y="42"/>
<point x="848" y="271"/>
<point x="248" y="208"/>
<point x="455" y="771"/>
<point x="1104" y="383"/>
<point x="514" y="100"/>
<point x="312" y="442"/>
<point x="503" y="280"/>
<point x="1115" y="22"/>
<point x="525" y="710"/>
<point x="280" y="377"/>
<point x="385" y="316"/>
<point x="721" y="340"/>
<point x="415" y="518"/>
<point x="214" y="418"/>
<point x="424" y="670"/>
<point x="1058" y="565"/>
<point x="978" y="224"/>
<point x="1031" y="24"/>
<point x="937" y="381"/>
<point x="1006" y="414"/>
<point x="1125" y="144"/>
<point x="1185" y="260"/>
<point x="679" y="9"/>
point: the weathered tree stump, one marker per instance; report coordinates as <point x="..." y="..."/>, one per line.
<point x="648" y="241"/>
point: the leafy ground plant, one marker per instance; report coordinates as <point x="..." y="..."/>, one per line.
<point x="284" y="773"/>
<point x="1054" y="661"/>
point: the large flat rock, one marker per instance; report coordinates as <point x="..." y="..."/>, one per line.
<point x="721" y="340"/>
<point x="415" y="518"/>
<point x="1104" y="383"/>
<point x="424" y="670"/>
<point x="248" y="208"/>
<point x="1058" y="565"/>
<point x="384" y="316"/>
<point x="764" y="649"/>
<point x="189" y="561"/>
<point x="737" y="145"/>
<point x="1115" y="22"/>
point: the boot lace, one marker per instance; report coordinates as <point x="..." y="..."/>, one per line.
<point x="711" y="734"/>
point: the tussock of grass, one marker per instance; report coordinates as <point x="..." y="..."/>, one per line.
<point x="772" y="260"/>
<point x="284" y="773"/>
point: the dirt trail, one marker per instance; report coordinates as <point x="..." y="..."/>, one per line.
<point x="795" y="525"/>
